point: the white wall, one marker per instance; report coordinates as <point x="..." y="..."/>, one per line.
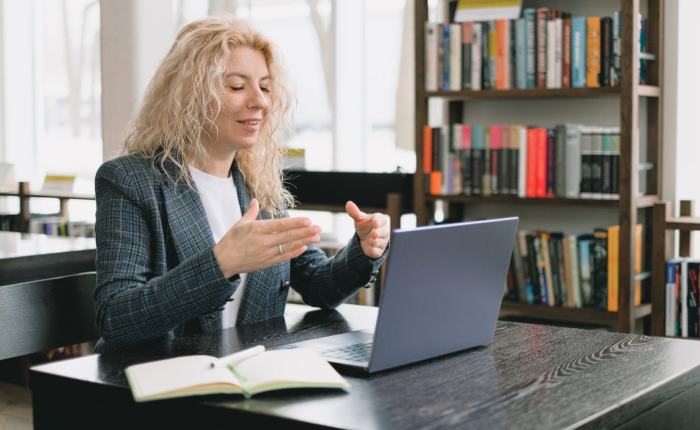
<point x="136" y="35"/>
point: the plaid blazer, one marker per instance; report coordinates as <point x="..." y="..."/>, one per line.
<point x="157" y="277"/>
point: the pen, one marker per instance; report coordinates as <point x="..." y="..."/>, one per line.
<point x="237" y="357"/>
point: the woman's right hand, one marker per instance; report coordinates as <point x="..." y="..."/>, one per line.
<point x="253" y="244"/>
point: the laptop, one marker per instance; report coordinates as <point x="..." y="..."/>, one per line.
<point x="442" y="293"/>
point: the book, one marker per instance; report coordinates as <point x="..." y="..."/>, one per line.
<point x="593" y="52"/>
<point x="476" y="57"/>
<point x="613" y="267"/>
<point x="693" y="311"/>
<point x="431" y="56"/>
<point x="530" y="17"/>
<point x="467" y="37"/>
<point x="578" y="52"/>
<point x="542" y="16"/>
<point x="673" y="268"/>
<point x="566" y="53"/>
<point x="455" y="57"/>
<point x="521" y="64"/>
<point x="248" y="372"/>
<point x="584" y="246"/>
<point x="446" y="53"/>
<point x="617" y="49"/>
<point x="599" y="268"/>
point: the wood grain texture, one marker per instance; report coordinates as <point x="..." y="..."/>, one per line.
<point x="529" y="377"/>
<point x="46" y="314"/>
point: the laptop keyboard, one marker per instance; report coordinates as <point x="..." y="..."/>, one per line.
<point x="359" y="352"/>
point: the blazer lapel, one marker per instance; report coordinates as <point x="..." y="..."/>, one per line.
<point x="187" y="222"/>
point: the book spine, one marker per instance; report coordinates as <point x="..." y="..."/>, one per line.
<point x="578" y="52"/>
<point x="615" y="164"/>
<point x="521" y="243"/>
<point x="485" y="60"/>
<point x="552" y="296"/>
<point x="566" y="53"/>
<point x="520" y="54"/>
<point x="542" y="162"/>
<point x="467" y="37"/>
<point x="551" y="54"/>
<point x="431" y="56"/>
<point x="446" y="51"/>
<point x="522" y="161"/>
<point x="532" y="162"/>
<point x="586" y="155"/>
<point x="535" y="252"/>
<point x="672" y="270"/>
<point x="599" y="269"/>
<point x="436" y="172"/>
<point x="606" y="52"/>
<point x="477" y="159"/>
<point x="606" y="187"/>
<point x="487" y="162"/>
<point x="445" y="149"/>
<point x="501" y="54"/>
<point x="455" y="57"/>
<point x="514" y="160"/>
<point x="558" y="54"/>
<point x="560" y="164"/>
<point x="613" y="267"/>
<point x="572" y="161"/>
<point x="530" y="17"/>
<point x="467" y="159"/>
<point x="693" y="311"/>
<point x="493" y="53"/>
<point x="593" y="51"/>
<point x="617" y="48"/>
<point x="683" y="298"/>
<point x="597" y="164"/>
<point x="476" y="57"/>
<point x="551" y="161"/>
<point x="584" y="243"/>
<point x="427" y="157"/>
<point x="541" y="40"/>
<point x="575" y="275"/>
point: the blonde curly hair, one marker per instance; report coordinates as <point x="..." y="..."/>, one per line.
<point x="185" y="97"/>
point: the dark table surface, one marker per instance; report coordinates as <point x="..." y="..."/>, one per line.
<point x="529" y="377"/>
<point x="27" y="257"/>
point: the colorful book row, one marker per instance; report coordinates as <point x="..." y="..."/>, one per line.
<point x="566" y="161"/>
<point x="682" y="313"/>
<point x="546" y="48"/>
<point x="575" y="271"/>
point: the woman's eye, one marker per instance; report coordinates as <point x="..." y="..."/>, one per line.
<point x="236" y="88"/>
<point x="265" y="89"/>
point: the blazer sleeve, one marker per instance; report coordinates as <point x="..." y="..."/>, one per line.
<point x="326" y="282"/>
<point x="136" y="297"/>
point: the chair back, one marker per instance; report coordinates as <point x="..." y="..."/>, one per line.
<point x="45" y="314"/>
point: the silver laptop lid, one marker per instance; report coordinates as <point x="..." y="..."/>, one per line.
<point x="443" y="290"/>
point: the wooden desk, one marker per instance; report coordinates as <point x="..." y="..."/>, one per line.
<point x="27" y="257"/>
<point x="529" y="377"/>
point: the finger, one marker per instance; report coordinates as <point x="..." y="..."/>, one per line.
<point x="288" y="254"/>
<point x="252" y="213"/>
<point x="293" y="234"/>
<point x="282" y="224"/>
<point x="304" y="241"/>
<point x="355" y="212"/>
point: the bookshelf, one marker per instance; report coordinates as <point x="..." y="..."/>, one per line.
<point x="24" y="195"/>
<point x="663" y="243"/>
<point x="633" y="101"/>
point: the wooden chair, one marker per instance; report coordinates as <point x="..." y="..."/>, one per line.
<point x="37" y="316"/>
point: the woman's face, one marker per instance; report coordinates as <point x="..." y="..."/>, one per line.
<point x="245" y="103"/>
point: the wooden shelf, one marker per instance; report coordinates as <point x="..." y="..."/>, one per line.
<point x="539" y="93"/>
<point x="574" y="315"/>
<point x="642" y="201"/>
<point x="664" y="246"/>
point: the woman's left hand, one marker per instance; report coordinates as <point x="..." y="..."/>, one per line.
<point x="373" y="230"/>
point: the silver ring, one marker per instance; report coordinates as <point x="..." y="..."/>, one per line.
<point x="281" y="249"/>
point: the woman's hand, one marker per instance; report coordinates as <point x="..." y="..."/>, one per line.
<point x="255" y="244"/>
<point x="373" y="230"/>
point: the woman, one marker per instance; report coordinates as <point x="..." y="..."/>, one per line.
<point x="192" y="230"/>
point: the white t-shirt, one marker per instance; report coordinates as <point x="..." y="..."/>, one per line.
<point x="220" y="200"/>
